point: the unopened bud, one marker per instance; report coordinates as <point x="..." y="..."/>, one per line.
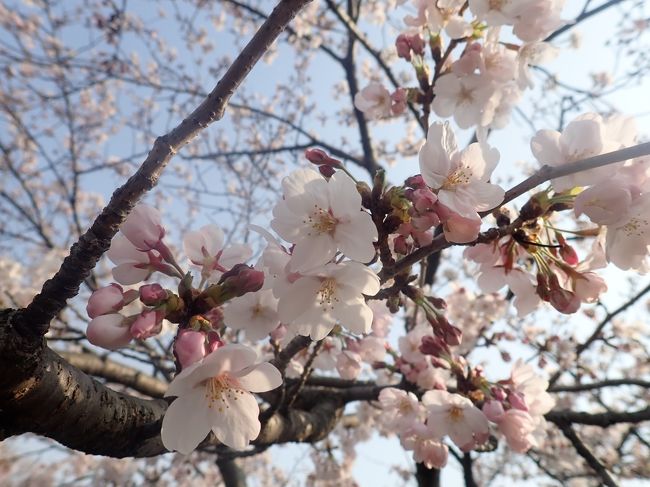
<point x="327" y="171"/>
<point x="152" y="294"/>
<point x="493" y="411"/>
<point x="320" y="157"/>
<point x="434" y="346"/>
<point x="189" y="347"/>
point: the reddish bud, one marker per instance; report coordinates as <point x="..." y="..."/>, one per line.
<point x="320" y="157"/>
<point x="434" y="346"/>
<point x="189" y="347"/>
<point x="242" y="279"/>
<point x="147" y="324"/>
<point x="152" y="294"/>
<point x="327" y="171"/>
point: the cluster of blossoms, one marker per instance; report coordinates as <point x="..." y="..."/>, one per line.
<point x="515" y="406"/>
<point x="485" y="83"/>
<point x="316" y="279"/>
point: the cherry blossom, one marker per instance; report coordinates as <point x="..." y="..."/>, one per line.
<point x="587" y="135"/>
<point x="214" y="394"/>
<point x="374" y="101"/>
<point x="456" y="416"/>
<point x="205" y="248"/>
<point x="460" y="177"/>
<point x="256" y="313"/>
<point x="328" y="295"/>
<point x="321" y="216"/>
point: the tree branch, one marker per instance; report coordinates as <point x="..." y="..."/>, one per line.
<point x="585" y="453"/>
<point x="546" y="173"/>
<point x="114" y="372"/>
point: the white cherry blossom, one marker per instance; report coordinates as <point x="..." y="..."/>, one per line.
<point x="328" y="295"/>
<point x="255" y="313"/>
<point x="320" y="216"/>
<point x="459" y="177"/>
<point x="205" y="248"/>
<point x="215" y="395"/>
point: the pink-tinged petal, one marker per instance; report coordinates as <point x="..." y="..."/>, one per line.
<point x="127" y="274"/>
<point x="235" y="254"/>
<point x="106" y="331"/>
<point x="472" y="158"/>
<point x="143" y="227"/>
<point x="486" y="195"/>
<point x="301" y="296"/>
<point x="582" y="138"/>
<point x="286" y="223"/>
<point x="260" y="378"/>
<point x="358" y="278"/>
<point x="232" y="357"/>
<point x="344" y="199"/>
<point x="122" y="251"/>
<point x="546" y="147"/>
<point x="476" y="421"/>
<point x="213" y="238"/>
<point x="295" y="183"/>
<point x="461" y="435"/>
<point x="193" y="242"/>
<point x="312" y="252"/>
<point x="108" y="299"/>
<point x="186" y="422"/>
<point x="355" y="238"/>
<point x="235" y="421"/>
<point x="435" y="398"/>
<point x="435" y="154"/>
<point x="459" y="229"/>
<point x="356" y="316"/>
<point x="491" y="279"/>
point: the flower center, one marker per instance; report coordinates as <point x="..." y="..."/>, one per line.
<point x="322" y="220"/>
<point x="220" y="388"/>
<point x="636" y="227"/>
<point x="462" y="175"/>
<point x="326" y="293"/>
<point x="456" y="413"/>
<point x="496" y="4"/>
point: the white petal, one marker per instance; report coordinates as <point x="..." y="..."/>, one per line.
<point x="127" y="274"/>
<point x="313" y="251"/>
<point x="260" y="378"/>
<point x="357" y="277"/>
<point x="356" y="316"/>
<point x="235" y="421"/>
<point x="344" y="199"/>
<point x="301" y="297"/>
<point x="186" y="422"/>
<point x="235" y="254"/>
<point x="355" y="237"/>
<point x="546" y="147"/>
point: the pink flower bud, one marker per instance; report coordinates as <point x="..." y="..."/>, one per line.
<point x="564" y="301"/>
<point x="105" y="300"/>
<point x="326" y="171"/>
<point x="108" y="331"/>
<point x="517" y="401"/>
<point x="453" y="335"/>
<point x="403" y="47"/>
<point x="493" y="411"/>
<point x="398" y="99"/>
<point x="320" y="157"/>
<point x="152" y="294"/>
<point x="214" y="341"/>
<point x="189" y="347"/>
<point x="148" y="324"/>
<point x="242" y="279"/>
<point x="415" y="182"/>
<point x="434" y="346"/>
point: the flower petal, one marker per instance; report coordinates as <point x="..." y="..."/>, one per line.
<point x="260" y="378"/>
<point x="186" y="422"/>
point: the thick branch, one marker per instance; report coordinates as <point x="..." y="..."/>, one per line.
<point x="598" y="419"/>
<point x="34" y="320"/>
<point x="61" y="402"/>
<point x="114" y="372"/>
<point x="599" y="385"/>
